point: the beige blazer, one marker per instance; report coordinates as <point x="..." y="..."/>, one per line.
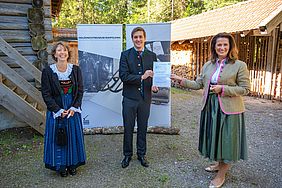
<point x="234" y="77"/>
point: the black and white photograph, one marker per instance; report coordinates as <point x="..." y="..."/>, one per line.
<point x="97" y="70"/>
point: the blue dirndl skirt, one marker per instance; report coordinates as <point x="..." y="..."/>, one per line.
<point x="73" y="153"/>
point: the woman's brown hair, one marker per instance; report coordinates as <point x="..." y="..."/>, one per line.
<point x="233" y="51"/>
<point x="53" y="51"/>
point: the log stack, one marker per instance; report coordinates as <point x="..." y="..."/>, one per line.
<point x="184" y="71"/>
<point x="119" y="130"/>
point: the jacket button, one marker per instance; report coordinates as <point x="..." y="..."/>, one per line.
<point x="139" y="65"/>
<point x="140" y="72"/>
<point x="139" y="89"/>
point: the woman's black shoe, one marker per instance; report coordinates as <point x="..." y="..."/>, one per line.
<point x="64" y="173"/>
<point x="72" y="171"/>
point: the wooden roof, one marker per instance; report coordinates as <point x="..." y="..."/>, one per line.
<point x="244" y="16"/>
<point x="56" y="7"/>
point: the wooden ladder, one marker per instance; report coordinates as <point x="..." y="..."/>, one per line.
<point x="17" y="95"/>
<point x="22" y="105"/>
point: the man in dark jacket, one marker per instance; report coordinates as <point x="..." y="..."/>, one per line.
<point x="136" y="73"/>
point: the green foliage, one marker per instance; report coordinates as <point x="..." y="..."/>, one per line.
<point x="213" y="4"/>
<point x="195" y="7"/>
<point x="164" y="178"/>
<point x="75" y="12"/>
<point x="198" y="6"/>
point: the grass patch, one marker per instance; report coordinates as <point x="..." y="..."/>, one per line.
<point x="180" y="158"/>
<point x="193" y="124"/>
<point x="171" y="146"/>
<point x="164" y="178"/>
<point x="175" y="90"/>
<point x="17" y="140"/>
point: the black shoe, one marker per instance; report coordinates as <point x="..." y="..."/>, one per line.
<point x="125" y="161"/>
<point x="64" y="173"/>
<point x="143" y="161"/>
<point x="72" y="171"/>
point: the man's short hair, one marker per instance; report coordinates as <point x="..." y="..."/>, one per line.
<point x="136" y="29"/>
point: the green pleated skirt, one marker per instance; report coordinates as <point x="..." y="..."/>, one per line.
<point x="222" y="137"/>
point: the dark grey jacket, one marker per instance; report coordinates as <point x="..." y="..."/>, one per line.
<point x="131" y="68"/>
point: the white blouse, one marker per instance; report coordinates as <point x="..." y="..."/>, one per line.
<point x="220" y="66"/>
<point x="62" y="75"/>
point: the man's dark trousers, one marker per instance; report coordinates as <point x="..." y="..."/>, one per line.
<point x="133" y="109"/>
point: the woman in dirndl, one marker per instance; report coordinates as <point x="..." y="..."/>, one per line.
<point x="224" y="79"/>
<point x="62" y="91"/>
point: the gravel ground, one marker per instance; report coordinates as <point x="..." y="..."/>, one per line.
<point x="174" y="159"/>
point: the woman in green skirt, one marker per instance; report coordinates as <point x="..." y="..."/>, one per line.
<point x="224" y="79"/>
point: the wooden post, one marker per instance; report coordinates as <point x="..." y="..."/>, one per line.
<point x="255" y="67"/>
<point x="197" y="58"/>
<point x="265" y="42"/>
<point x="194" y="61"/>
<point x="275" y="72"/>
<point x="201" y="55"/>
<point x="252" y="55"/>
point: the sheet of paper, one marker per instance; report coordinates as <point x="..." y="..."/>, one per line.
<point x="162" y="71"/>
<point x="157" y="48"/>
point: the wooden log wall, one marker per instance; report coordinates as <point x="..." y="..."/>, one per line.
<point x="262" y="54"/>
<point x="14" y="29"/>
<point x="74" y="52"/>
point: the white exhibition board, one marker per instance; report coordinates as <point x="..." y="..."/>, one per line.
<point x="158" y="38"/>
<point x="99" y="49"/>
